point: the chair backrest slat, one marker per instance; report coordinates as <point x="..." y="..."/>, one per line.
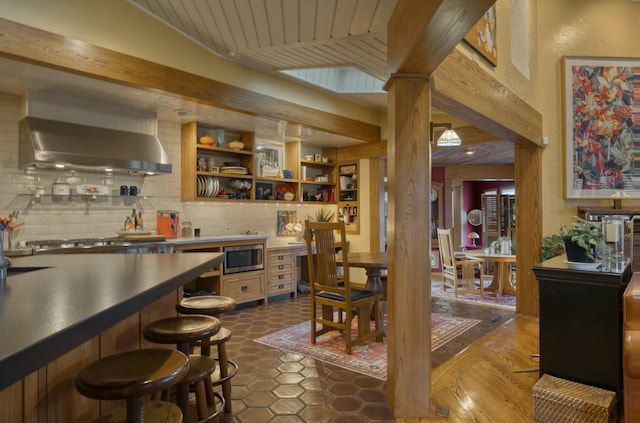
<point x="446" y="247"/>
<point x="323" y="270"/>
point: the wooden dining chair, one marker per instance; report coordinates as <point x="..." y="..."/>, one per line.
<point x="332" y="291"/>
<point x="459" y="272"/>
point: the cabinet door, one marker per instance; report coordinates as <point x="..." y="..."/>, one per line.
<point x="245" y="287"/>
<point x="281" y="272"/>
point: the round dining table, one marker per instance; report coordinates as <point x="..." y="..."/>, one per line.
<point x="501" y="281"/>
<point x="373" y="262"/>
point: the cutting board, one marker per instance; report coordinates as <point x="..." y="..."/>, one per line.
<point x="137" y="237"/>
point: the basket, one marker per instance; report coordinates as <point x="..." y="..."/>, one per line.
<point x="557" y="400"/>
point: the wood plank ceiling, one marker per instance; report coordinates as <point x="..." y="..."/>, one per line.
<point x="277" y="35"/>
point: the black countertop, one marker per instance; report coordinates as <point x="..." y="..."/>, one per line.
<point x="558" y="270"/>
<point x="72" y="298"/>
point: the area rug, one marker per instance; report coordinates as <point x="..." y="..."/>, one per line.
<point x="504" y="301"/>
<point x="369" y="359"/>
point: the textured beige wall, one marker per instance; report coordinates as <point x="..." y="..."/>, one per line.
<point x="575" y="28"/>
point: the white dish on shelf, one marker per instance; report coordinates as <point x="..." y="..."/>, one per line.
<point x="88" y="189"/>
<point x="201" y="186"/>
<point x="238" y="170"/>
<point x="576" y="265"/>
<point x="209" y="186"/>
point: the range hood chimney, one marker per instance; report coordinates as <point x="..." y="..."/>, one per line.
<point x="49" y="144"/>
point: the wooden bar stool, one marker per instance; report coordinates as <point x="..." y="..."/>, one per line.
<point x="131" y="375"/>
<point x="215" y="305"/>
<point x="184" y="331"/>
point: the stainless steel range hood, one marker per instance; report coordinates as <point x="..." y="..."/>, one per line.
<point x="49" y="144"/>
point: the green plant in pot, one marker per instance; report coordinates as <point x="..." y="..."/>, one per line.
<point x="322" y="216"/>
<point x="581" y="239"/>
<point x="552" y="246"/>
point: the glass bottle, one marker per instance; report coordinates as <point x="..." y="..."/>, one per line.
<point x="139" y="222"/>
<point x="133" y="218"/>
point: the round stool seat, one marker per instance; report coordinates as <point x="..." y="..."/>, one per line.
<point x="220" y="375"/>
<point x="200" y="367"/>
<point x="132" y="374"/>
<point x="221" y="337"/>
<point x="154" y="411"/>
<point x="182" y="329"/>
<point x="212" y="305"/>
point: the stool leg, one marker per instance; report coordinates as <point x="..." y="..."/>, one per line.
<point x="224" y="372"/>
<point x="208" y="388"/>
<point x="182" y="390"/>
<point x="135" y="410"/>
<point x="205" y="347"/>
<point x="201" y="400"/>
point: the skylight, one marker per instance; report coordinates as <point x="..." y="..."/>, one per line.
<point x="339" y="80"/>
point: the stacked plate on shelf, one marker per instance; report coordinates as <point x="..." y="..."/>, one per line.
<point x="235" y="170"/>
<point x="207" y="186"/>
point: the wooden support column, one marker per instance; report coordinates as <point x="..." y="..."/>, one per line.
<point x="528" y="165"/>
<point x="377" y="227"/>
<point x="409" y="292"/>
<point x="456" y="214"/>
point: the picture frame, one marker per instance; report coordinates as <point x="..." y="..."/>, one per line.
<point x="284" y="218"/>
<point x="270" y="158"/>
<point x="482" y="37"/>
<point x="601" y="159"/>
<point x="264" y="190"/>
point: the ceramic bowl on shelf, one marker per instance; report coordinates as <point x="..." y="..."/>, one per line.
<point x="308" y="157"/>
<point x="236" y="145"/>
<point x="206" y="140"/>
<point x="288" y="196"/>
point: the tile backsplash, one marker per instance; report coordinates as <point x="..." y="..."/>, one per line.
<point x="53" y="218"/>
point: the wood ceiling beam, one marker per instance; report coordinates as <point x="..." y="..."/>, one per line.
<point x="461" y="88"/>
<point x="27" y="44"/>
<point x="423" y="33"/>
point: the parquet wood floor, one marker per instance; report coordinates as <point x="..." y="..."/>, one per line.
<point x="485" y="382"/>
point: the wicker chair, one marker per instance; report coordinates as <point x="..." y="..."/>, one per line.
<point x="332" y="291"/>
<point x="459" y="272"/>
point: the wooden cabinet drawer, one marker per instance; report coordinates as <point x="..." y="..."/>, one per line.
<point x="280" y="256"/>
<point x="281" y="272"/>
<point x="248" y="288"/>
<point x="281" y="267"/>
<point x="281" y="287"/>
<point x="278" y="278"/>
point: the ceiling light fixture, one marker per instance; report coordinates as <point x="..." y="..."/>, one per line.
<point x="449" y="137"/>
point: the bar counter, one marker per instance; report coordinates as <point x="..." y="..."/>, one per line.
<point x="70" y="299"/>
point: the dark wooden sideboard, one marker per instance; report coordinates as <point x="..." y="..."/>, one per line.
<point x="581" y="323"/>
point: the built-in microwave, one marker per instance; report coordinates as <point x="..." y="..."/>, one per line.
<point x="243" y="258"/>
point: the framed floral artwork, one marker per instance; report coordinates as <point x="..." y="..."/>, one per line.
<point x="482" y="36"/>
<point x="601" y="122"/>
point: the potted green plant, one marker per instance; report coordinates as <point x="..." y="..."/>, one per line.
<point x="552" y="246"/>
<point x="581" y="239"/>
<point x="322" y="216"/>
